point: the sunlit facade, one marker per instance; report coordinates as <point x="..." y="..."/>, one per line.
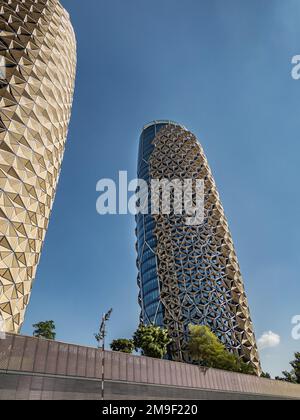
<point x="189" y="274"/>
<point x="38" y="56"/>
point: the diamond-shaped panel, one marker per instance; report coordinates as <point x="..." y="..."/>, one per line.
<point x="38" y="48"/>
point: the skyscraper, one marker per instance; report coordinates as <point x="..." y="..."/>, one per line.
<point x="38" y="64"/>
<point x="189" y="274"/>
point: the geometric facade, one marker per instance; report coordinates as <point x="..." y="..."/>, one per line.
<point x="38" y="64"/>
<point x="189" y="274"/>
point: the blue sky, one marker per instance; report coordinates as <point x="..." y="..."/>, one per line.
<point x="223" y="69"/>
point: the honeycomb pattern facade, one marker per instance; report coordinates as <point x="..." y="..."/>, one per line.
<point x="38" y="47"/>
<point x="196" y="267"/>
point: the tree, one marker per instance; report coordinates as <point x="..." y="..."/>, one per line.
<point x="287" y="377"/>
<point x="296" y="367"/>
<point x="205" y="348"/>
<point x="152" y="341"/>
<point x="45" y="329"/>
<point x="231" y="362"/>
<point x="246" y="368"/>
<point x="265" y="375"/>
<point x="123" y="345"/>
<point x="293" y="376"/>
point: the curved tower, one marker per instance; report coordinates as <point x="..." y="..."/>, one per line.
<point x="37" y="64"/>
<point x="189" y="274"/>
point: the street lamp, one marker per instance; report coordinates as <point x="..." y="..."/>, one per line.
<point x="100" y="337"/>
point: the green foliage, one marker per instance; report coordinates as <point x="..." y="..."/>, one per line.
<point x="206" y="349"/>
<point x="296" y="367"/>
<point x="287" y="377"/>
<point x="293" y="376"/>
<point x="123" y="345"/>
<point x="246" y="368"/>
<point x="44" y="329"/>
<point x="152" y="341"/>
<point x="265" y="375"/>
<point x="203" y="345"/>
<point x="98" y="338"/>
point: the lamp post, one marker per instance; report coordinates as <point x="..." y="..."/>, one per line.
<point x="100" y="337"/>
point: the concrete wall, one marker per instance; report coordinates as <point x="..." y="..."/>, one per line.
<point x="32" y="368"/>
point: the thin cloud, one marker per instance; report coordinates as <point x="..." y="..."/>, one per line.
<point x="268" y="340"/>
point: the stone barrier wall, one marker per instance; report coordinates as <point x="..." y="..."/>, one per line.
<point x="37" y="368"/>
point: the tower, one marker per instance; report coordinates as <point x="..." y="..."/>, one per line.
<point x="189" y="274"/>
<point x="38" y="64"/>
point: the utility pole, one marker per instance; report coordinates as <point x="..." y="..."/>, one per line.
<point x="100" y="337"/>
